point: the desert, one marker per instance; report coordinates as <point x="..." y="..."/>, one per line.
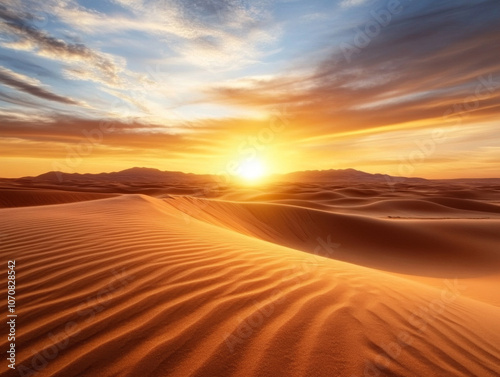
<point x="295" y="279"/>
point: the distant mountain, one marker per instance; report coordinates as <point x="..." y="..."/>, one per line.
<point x="138" y="175"/>
<point x="483" y="181"/>
<point x="344" y="175"/>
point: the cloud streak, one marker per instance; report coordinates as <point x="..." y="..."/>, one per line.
<point x="31" y="86"/>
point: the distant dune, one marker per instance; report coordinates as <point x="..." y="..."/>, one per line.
<point x="24" y="198"/>
<point x="288" y="279"/>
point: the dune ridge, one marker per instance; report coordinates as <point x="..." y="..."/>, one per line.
<point x="147" y="292"/>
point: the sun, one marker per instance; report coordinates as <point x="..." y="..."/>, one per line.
<point x="251" y="170"/>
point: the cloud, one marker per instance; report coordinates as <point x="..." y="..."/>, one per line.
<point x="352" y="3"/>
<point x="13" y="117"/>
<point x="31" y="86"/>
<point x="138" y="102"/>
<point x="201" y="138"/>
<point x="61" y="135"/>
<point x="27" y="66"/>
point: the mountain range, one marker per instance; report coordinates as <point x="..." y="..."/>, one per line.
<point x="150" y="175"/>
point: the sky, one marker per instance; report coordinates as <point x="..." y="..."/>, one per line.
<point x="399" y="87"/>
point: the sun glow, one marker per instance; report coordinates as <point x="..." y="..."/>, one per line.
<point x="251" y="170"/>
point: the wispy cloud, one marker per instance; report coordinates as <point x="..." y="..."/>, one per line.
<point x="353" y="3"/>
<point x="31" y="86"/>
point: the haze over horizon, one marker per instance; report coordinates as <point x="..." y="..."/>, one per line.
<point x="394" y="87"/>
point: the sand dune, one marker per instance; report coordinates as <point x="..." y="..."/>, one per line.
<point x="419" y="247"/>
<point x="132" y="285"/>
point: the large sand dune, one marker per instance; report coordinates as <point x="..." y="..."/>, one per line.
<point x="177" y="286"/>
<point x="457" y="247"/>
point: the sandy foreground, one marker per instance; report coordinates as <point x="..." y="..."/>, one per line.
<point x="292" y="280"/>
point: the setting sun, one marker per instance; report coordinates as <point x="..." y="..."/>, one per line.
<point x="251" y="170"/>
